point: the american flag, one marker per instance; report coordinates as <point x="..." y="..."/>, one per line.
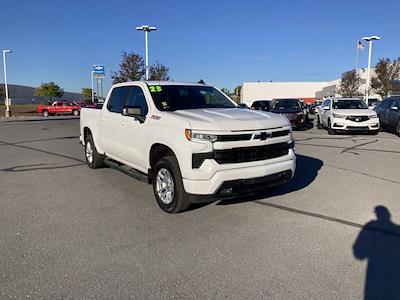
<point x="360" y="46"/>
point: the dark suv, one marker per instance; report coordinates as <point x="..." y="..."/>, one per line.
<point x="264" y="105"/>
<point x="389" y="114"/>
<point x="293" y="109"/>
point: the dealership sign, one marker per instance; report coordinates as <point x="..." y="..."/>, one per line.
<point x="98" y="71"/>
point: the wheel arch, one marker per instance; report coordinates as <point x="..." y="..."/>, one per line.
<point x="157" y="151"/>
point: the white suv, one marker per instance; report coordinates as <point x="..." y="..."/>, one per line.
<point x="347" y="115"/>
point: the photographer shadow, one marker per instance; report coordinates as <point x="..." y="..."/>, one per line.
<point x="379" y="243"/>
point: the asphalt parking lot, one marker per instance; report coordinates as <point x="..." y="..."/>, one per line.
<point x="70" y="232"/>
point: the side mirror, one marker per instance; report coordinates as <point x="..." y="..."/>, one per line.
<point x="326" y="108"/>
<point x="394" y="108"/>
<point x="134" y="111"/>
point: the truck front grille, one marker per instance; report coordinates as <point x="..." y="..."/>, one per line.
<point x="248" y="154"/>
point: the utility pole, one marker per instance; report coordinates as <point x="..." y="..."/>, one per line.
<point x="369" y="39"/>
<point x="7" y="100"/>
<point x="146" y="29"/>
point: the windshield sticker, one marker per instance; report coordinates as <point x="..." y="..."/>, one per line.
<point x="164" y="104"/>
<point x="155" y="88"/>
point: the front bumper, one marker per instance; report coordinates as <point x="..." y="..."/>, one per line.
<point x="243" y="176"/>
<point x="347" y="125"/>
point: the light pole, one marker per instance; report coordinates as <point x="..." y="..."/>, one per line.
<point x="146" y="29"/>
<point x="8" y="112"/>
<point x="369" y="39"/>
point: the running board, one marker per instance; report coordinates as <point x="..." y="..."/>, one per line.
<point x="126" y="169"/>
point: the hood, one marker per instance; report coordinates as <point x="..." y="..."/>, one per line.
<point x="354" y="112"/>
<point x="230" y="119"/>
<point x="287" y="111"/>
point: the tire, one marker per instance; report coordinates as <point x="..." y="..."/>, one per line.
<point x="330" y="130"/>
<point x="319" y="125"/>
<point x="174" y="199"/>
<point x="93" y="159"/>
<point x="75" y="112"/>
<point x="398" y="129"/>
<point x="45" y="113"/>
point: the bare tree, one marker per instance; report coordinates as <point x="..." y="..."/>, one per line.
<point x="158" y="71"/>
<point x="350" y="84"/>
<point x="132" y="68"/>
<point x="387" y="77"/>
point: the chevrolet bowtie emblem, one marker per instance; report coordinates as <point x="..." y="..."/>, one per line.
<point x="262" y="136"/>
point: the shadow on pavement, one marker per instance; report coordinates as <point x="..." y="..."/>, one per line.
<point x="379" y="243"/>
<point x="306" y="172"/>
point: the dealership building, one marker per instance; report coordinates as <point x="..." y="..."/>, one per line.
<point x="308" y="91"/>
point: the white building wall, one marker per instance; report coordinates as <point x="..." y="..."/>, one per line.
<point x="252" y="91"/>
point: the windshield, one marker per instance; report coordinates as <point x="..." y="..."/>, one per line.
<point x="178" y="97"/>
<point x="286" y="104"/>
<point x="349" y="104"/>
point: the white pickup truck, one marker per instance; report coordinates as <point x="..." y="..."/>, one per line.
<point x="192" y="142"/>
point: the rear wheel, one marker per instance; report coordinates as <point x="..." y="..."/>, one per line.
<point x="45" y="113"/>
<point x="398" y="129"/>
<point x="319" y="125"/>
<point x="330" y="130"/>
<point x="168" y="186"/>
<point x="93" y="159"/>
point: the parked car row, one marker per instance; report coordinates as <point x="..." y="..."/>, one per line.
<point x="63" y="108"/>
<point x="294" y="109"/>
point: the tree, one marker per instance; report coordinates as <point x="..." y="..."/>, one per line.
<point x="86" y="93"/>
<point x="132" y="68"/>
<point x="2" y="93"/>
<point x="350" y="84"/>
<point x="50" y="90"/>
<point x="159" y="72"/>
<point x="387" y="77"/>
<point x="225" y="91"/>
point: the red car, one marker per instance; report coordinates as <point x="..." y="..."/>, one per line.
<point x="59" y="108"/>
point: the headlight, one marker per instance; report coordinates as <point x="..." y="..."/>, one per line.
<point x="373" y="116"/>
<point x="338" y="116"/>
<point x="199" y="136"/>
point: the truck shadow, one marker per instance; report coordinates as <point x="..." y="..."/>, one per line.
<point x="306" y="172"/>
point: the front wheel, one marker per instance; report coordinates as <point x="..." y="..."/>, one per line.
<point x="330" y="130"/>
<point x="398" y="128"/>
<point x="75" y="112"/>
<point x="45" y="113"/>
<point x="168" y="186"/>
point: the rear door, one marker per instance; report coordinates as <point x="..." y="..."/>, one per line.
<point x="382" y="111"/>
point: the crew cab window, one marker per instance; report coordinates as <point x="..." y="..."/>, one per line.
<point x="137" y="98"/>
<point x="117" y="99"/>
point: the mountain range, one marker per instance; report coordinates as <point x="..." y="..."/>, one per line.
<point x="21" y="94"/>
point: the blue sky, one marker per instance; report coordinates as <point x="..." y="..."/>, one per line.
<point x="222" y="42"/>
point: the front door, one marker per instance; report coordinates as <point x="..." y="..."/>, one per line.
<point x="134" y="142"/>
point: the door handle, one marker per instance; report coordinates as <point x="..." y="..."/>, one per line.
<point x="122" y="123"/>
